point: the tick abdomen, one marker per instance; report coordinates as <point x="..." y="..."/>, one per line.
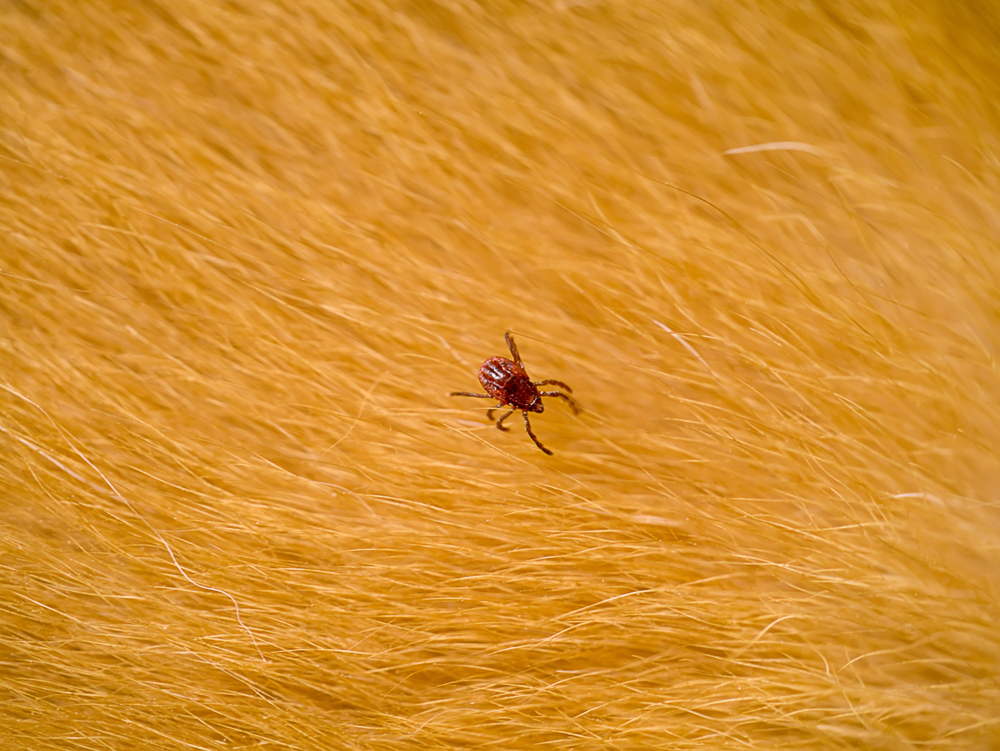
<point x="497" y="372"/>
<point x="507" y="382"/>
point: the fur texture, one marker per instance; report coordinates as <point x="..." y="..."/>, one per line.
<point x="247" y="249"/>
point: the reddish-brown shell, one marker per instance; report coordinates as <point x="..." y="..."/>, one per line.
<point x="507" y="382"/>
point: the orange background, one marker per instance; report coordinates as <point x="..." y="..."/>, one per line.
<point x="247" y="249"/>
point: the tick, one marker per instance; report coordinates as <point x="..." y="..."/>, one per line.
<point x="507" y="382"/>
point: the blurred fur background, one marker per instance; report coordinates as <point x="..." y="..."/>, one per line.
<point x="247" y="247"/>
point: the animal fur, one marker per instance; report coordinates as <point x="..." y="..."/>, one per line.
<point x="247" y="249"/>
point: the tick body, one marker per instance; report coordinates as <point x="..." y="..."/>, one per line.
<point x="508" y="382"/>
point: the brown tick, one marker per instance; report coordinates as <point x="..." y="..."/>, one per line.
<point x="507" y="382"/>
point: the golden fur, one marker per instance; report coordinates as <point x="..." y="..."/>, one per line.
<point x="247" y="249"/>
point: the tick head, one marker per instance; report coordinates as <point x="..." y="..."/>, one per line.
<point x="536" y="405"/>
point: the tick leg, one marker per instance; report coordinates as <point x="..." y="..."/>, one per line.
<point x="467" y="393"/>
<point x="550" y="382"/>
<point x="527" y="426"/>
<point x="491" y="410"/>
<point x="513" y="348"/>
<point x="500" y="421"/>
<point x="572" y="402"/>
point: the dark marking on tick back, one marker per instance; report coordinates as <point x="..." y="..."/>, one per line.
<point x="507" y="382"/>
